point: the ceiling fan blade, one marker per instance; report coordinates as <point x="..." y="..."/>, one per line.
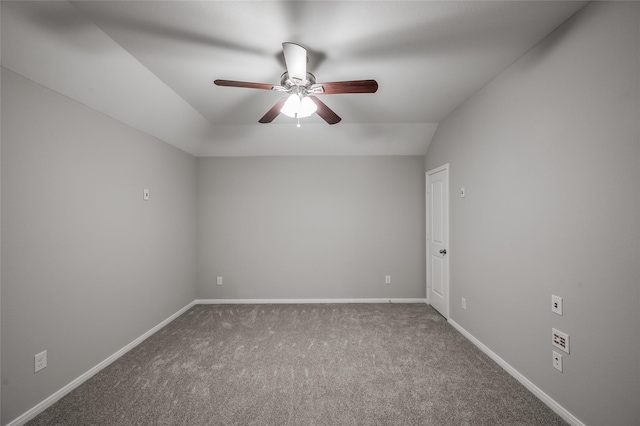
<point x="355" y="86"/>
<point x="325" y="112"/>
<point x="296" y="58"/>
<point x="273" y="112"/>
<point x="248" y="85"/>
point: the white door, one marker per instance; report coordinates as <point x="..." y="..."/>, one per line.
<point x="438" y="239"/>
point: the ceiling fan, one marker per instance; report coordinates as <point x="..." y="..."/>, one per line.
<point x="302" y="88"/>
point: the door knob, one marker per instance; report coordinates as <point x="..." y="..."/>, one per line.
<point x="443" y="252"/>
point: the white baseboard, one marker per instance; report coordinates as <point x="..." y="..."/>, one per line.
<point x="93" y="371"/>
<point x="550" y="402"/>
<point x="302" y="301"/>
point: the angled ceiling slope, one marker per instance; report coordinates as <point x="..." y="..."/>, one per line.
<point x="151" y="65"/>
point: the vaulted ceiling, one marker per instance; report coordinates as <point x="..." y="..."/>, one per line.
<point x="151" y="65"/>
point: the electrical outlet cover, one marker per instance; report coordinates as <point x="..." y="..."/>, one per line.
<point x="40" y="361"/>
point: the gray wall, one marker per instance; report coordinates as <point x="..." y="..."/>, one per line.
<point x="311" y="227"/>
<point x="549" y="154"/>
<point x="87" y="265"/>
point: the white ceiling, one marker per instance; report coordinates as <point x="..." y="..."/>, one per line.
<point x="151" y="65"/>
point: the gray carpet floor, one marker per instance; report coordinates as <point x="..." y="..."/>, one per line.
<point x="324" y="364"/>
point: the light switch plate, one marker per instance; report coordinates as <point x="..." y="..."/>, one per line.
<point x="560" y="340"/>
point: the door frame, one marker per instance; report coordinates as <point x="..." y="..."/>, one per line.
<point x="445" y="168"/>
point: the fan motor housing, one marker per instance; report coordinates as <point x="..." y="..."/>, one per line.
<point x="289" y="84"/>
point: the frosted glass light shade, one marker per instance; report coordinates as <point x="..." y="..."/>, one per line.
<point x="296" y="108"/>
<point x="290" y="108"/>
<point x="307" y="107"/>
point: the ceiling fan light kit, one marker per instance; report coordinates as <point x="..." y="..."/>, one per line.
<point x="298" y="107"/>
<point x="301" y="87"/>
